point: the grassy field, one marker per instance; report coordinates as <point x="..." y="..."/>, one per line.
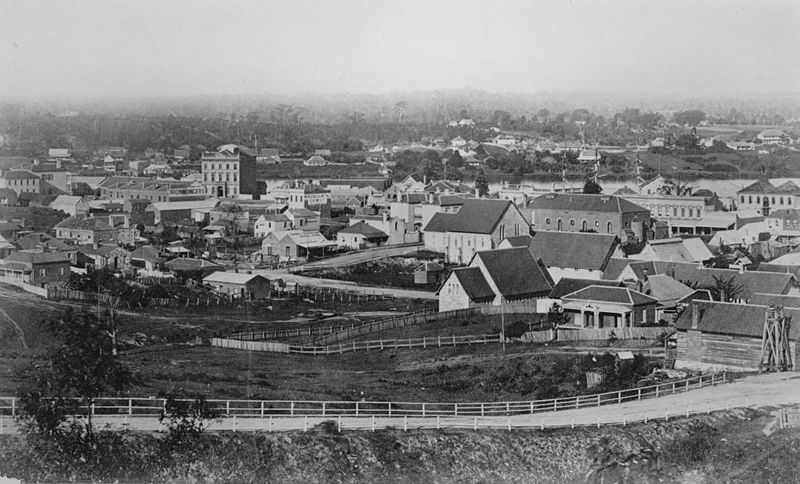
<point x="722" y="447"/>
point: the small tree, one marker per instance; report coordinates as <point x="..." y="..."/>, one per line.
<point x="82" y="366"/>
<point x="592" y="187"/>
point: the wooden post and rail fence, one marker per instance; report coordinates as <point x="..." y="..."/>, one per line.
<point x="152" y="407"/>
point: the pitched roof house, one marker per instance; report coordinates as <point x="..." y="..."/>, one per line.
<point x="574" y="254"/>
<point x="499" y="277"/>
<point x="478" y="225"/>
<point x="676" y="250"/>
<point x="600" y="306"/>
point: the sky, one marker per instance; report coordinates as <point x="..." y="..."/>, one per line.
<point x="130" y="48"/>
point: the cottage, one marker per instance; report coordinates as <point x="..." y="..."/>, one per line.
<point x="105" y="256"/>
<point x="146" y="257"/>
<point x="360" y="236"/>
<point x="294" y="245"/>
<point x="715" y="336"/>
<point x="303" y="219"/>
<point x="600" y="306"/>
<point x="86" y="230"/>
<point x="238" y="285"/>
<point x="36" y="268"/>
<point x="497" y="277"/>
<point x="398" y="230"/>
<point x="271" y="222"/>
<point x="675" y="250"/>
<point x="71" y="205"/>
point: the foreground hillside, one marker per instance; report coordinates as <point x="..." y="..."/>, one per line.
<point x="729" y="447"/>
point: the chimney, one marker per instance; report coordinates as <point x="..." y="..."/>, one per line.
<point x="742" y="269"/>
<point x="385" y="216"/>
<point x="95" y="243"/>
<point x="58" y="163"/>
<point x="45" y="247"/>
<point x="722" y="295"/>
<point x="695" y="307"/>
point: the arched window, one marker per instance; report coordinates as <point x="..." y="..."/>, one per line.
<point x="560" y="225"/>
<point x="584" y="226"/>
<point x="610" y="228"/>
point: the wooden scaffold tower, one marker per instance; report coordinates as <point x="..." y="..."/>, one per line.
<point x="775" y="351"/>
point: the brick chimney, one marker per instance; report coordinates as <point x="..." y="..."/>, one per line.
<point x="695" y="307"/>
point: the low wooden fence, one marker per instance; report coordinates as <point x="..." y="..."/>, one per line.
<point x="123" y="407"/>
<point x="612" y="333"/>
<point x="333" y="334"/>
<point x="325" y="294"/>
<point x="789" y="418"/>
<point x="383" y="344"/>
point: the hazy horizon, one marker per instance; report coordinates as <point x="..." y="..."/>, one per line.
<point x="126" y="49"/>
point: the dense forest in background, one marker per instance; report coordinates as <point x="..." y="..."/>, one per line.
<point x="29" y="129"/>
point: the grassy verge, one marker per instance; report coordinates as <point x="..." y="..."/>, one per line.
<point x="733" y="450"/>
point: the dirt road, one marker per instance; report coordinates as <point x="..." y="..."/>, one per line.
<point x="344" y="285"/>
<point x="361" y="256"/>
<point x="761" y="391"/>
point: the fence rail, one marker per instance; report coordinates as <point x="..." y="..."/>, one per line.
<point x="122" y="407"/>
<point x="332" y="334"/>
<point x="337" y="349"/>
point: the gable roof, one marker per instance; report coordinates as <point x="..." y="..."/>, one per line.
<point x="750" y="281"/>
<point x="515" y="272"/>
<point x="577" y="250"/>
<point x="616" y="295"/>
<point x="190" y="264"/>
<point x="474" y="284"/>
<point x="666" y="289"/>
<point x="568" y="285"/>
<point x="519" y="241"/>
<point x="580" y="202"/>
<point x="147" y="253"/>
<point x="231" y="277"/>
<point x="19" y="175"/>
<point x="38" y="240"/>
<point x="35" y="257"/>
<point x="84" y="223"/>
<point x="364" y="229"/>
<point x="784" y="300"/>
<point x="734" y="319"/>
<point x="680" y="250"/>
<point x="474" y="217"/>
<point x="760" y="186"/>
<point x="66" y="199"/>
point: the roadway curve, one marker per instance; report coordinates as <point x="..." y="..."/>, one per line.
<point x="767" y="390"/>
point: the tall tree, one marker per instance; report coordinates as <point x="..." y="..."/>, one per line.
<point x="482" y="185"/>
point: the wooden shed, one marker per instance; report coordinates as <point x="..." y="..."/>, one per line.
<point x="728" y="336"/>
<point x="428" y="273"/>
<point x="239" y="285"/>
